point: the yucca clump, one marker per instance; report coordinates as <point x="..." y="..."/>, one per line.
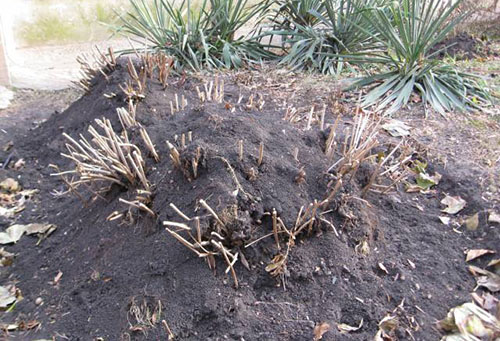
<point x="205" y="36"/>
<point x="409" y="30"/>
<point x="317" y="34"/>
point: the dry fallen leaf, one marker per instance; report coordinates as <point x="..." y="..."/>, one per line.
<point x="469" y="322"/>
<point x="388" y="323"/>
<point x="13" y="233"/>
<point x="490" y="282"/>
<point x="445" y="220"/>
<point x="386" y="328"/>
<point x="472" y="222"/>
<point x="396" y="128"/>
<point x="7" y="297"/>
<point x="473" y="254"/>
<point x="495" y="264"/>
<point x="345" y="328"/>
<point x="494" y="218"/>
<point x="487" y="301"/>
<point x="32" y="324"/>
<point x="363" y="247"/>
<point x="454" y="204"/>
<point x="39" y="228"/>
<point x="6" y="258"/>
<point x="320" y="330"/>
<point x="10" y="212"/>
<point x="8" y="327"/>
<point x="485" y="278"/>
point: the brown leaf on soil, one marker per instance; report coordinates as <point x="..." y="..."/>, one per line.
<point x="473" y="254"/>
<point x="488" y="302"/>
<point x="396" y="128"/>
<point x="8" y="327"/>
<point x="485" y="278"/>
<point x="13" y="233"/>
<point x="6" y="258"/>
<point x="345" y="328"/>
<point x="40" y="228"/>
<point x="454" y="204"/>
<point x="491" y="282"/>
<point x="277" y="265"/>
<point x="469" y="322"/>
<point x="472" y="222"/>
<point x="389" y="323"/>
<point x="320" y="330"/>
<point x="386" y="327"/>
<point x="495" y="264"/>
<point x="7" y="297"/>
<point x="33" y="324"/>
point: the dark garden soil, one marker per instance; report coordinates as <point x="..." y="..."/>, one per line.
<point x="464" y="46"/>
<point x="411" y="265"/>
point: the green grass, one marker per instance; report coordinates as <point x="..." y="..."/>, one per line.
<point x="47" y="28"/>
<point x="76" y="21"/>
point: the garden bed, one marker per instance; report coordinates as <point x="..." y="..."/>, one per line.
<point x="378" y="254"/>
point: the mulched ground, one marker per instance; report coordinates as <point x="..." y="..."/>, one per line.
<point x="111" y="270"/>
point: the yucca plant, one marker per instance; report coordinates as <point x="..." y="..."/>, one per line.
<point x="202" y="37"/>
<point x="317" y="39"/>
<point x="288" y="13"/>
<point x="409" y="30"/>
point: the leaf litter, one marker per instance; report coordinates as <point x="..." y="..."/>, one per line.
<point x="387" y="327"/>
<point x="469" y="322"/>
<point x="345" y="328"/>
<point x="397" y="128"/>
<point x="453" y="204"/>
<point x="472" y="222"/>
<point x="319" y="330"/>
<point x="485" y="278"/>
<point x="13" y="233"/>
<point x="424" y="181"/>
<point x="473" y="254"/>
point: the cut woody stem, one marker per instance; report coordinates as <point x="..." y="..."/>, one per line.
<point x="240" y="150"/>
<point x="275" y="229"/>
<point x="174" y="155"/>
<point x="261" y="154"/>
<point x="211" y="211"/>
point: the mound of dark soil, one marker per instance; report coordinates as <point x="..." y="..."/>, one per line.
<point x="463" y="46"/>
<point x="117" y="275"/>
